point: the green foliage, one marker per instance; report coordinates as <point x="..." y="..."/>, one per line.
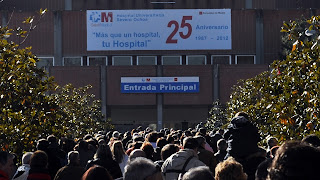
<point x="217" y="116"/>
<point x="79" y="113"/>
<point x="285" y="102"/>
<point x="27" y="111"/>
<point x="286" y="41"/>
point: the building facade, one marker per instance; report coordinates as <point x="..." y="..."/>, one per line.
<point x="60" y="41"/>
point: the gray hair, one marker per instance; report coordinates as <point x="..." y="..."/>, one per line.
<point x="26" y="157"/>
<point x="139" y="169"/>
<point x="201" y="172"/>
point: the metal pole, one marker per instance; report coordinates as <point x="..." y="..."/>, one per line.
<point x="159" y="102"/>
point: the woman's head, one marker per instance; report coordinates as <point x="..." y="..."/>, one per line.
<point x="117" y="151"/>
<point x="230" y="169"/>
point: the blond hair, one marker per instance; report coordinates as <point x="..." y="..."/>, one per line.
<point x="230" y="169"/>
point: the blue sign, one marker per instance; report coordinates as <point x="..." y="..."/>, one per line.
<point x="159" y="85"/>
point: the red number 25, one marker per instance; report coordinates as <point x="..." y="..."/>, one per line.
<point x="176" y="28"/>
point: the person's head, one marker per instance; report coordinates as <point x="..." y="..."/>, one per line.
<point x="6" y="163"/>
<point x="83" y="145"/>
<point x="312" y="140"/>
<point x="203" y="131"/>
<point x="222" y="145"/>
<point x="148" y="149"/>
<point x="117" y="151"/>
<point x="221" y="131"/>
<point x="244" y="114"/>
<point x="96" y="173"/>
<point x="137" y="138"/>
<point x="115" y="134"/>
<point x="142" y="169"/>
<point x="295" y="160"/>
<point x="73" y="158"/>
<point x="52" y="139"/>
<point x="42" y="144"/>
<point x="161" y="142"/>
<point x="170" y="139"/>
<point x="272" y="141"/>
<point x="137" y="153"/>
<point x="201" y="141"/>
<point x="198" y="173"/>
<point x="230" y="169"/>
<point x="168" y="150"/>
<point x="103" y="152"/>
<point x="190" y="143"/>
<point x="152" y="137"/>
<point x="39" y="159"/>
<point x="26" y="157"/>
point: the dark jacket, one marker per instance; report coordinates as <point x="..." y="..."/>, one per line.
<point x="39" y="174"/>
<point x="207" y="158"/>
<point x="3" y="176"/>
<point x="111" y="165"/>
<point x="55" y="159"/>
<point x="220" y="155"/>
<point x="69" y="172"/>
<point x="242" y="137"/>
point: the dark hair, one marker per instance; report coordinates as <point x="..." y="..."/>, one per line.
<point x="244" y="114"/>
<point x="52" y="139"/>
<point x="312" y="140"/>
<point x="168" y="150"/>
<point x="161" y="142"/>
<point x="200" y="139"/>
<point x="42" y="144"/>
<point x="190" y="143"/>
<point x="295" y="160"/>
<point x="203" y="131"/>
<point x="170" y="139"/>
<point x="103" y="153"/>
<point x="152" y="137"/>
<point x="148" y="149"/>
<point x="39" y="159"/>
<point x="96" y="172"/>
<point x="222" y="143"/>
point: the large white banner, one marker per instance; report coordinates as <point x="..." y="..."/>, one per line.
<point x="174" y="29"/>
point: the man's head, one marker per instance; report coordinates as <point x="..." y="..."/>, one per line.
<point x="201" y="141"/>
<point x="168" y="150"/>
<point x="201" y="172"/>
<point x="190" y="143"/>
<point x="26" y="157"/>
<point x="222" y="145"/>
<point x="142" y="169"/>
<point x="137" y="153"/>
<point x="39" y="159"/>
<point x="73" y="158"/>
<point x="295" y="160"/>
<point x="6" y="163"/>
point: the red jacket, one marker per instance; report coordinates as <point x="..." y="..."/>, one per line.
<point x="38" y="174"/>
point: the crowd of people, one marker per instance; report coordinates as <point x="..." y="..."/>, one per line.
<point x="144" y="154"/>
